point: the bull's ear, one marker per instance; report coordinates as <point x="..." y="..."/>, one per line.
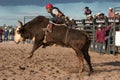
<point x="20" y="23"/>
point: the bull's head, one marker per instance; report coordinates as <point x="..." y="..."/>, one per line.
<point x="19" y="30"/>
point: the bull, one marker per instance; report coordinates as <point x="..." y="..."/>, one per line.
<point x="78" y="40"/>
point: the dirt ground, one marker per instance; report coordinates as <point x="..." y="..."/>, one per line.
<point x="53" y="63"/>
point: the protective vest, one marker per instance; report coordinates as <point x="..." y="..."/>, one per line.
<point x="54" y="14"/>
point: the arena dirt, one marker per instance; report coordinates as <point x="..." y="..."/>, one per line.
<point x="53" y="63"/>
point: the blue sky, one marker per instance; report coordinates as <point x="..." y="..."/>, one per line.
<point x="13" y="10"/>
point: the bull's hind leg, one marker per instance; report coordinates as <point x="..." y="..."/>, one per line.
<point x="88" y="60"/>
<point x="81" y="63"/>
<point x="81" y="60"/>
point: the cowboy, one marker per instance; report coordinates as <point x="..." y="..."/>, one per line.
<point x="101" y="37"/>
<point x="58" y="16"/>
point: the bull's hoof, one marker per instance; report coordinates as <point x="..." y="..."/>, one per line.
<point x="43" y="46"/>
<point x="30" y="56"/>
<point x="91" y="72"/>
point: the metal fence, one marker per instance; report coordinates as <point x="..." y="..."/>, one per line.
<point x="109" y="46"/>
<point x="91" y="25"/>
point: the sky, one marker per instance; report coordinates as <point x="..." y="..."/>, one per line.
<point x="13" y="10"/>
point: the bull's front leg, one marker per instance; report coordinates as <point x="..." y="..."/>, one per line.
<point x="35" y="47"/>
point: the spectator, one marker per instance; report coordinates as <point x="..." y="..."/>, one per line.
<point x="100" y="18"/>
<point x="97" y="16"/>
<point x="89" y="17"/>
<point x="100" y="36"/>
<point x="87" y="11"/>
<point x="117" y="16"/>
<point x="12" y="32"/>
<point x="1" y="31"/>
<point x="6" y="32"/>
<point x="111" y="13"/>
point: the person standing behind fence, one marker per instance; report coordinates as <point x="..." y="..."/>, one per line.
<point x="111" y="13"/>
<point x="100" y="36"/>
<point x="6" y="32"/>
<point x="1" y="31"/>
<point x="12" y="32"/>
<point x="87" y="11"/>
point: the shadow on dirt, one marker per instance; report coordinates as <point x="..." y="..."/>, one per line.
<point x="111" y="66"/>
<point x="116" y="63"/>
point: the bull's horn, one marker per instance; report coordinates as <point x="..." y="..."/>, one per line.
<point x="20" y="23"/>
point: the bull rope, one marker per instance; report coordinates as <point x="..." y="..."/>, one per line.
<point x="66" y="36"/>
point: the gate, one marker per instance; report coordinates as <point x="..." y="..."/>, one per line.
<point x="112" y="46"/>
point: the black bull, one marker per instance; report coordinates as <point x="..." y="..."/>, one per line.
<point x="78" y="40"/>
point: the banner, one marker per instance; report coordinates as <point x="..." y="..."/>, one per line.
<point x="117" y="38"/>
